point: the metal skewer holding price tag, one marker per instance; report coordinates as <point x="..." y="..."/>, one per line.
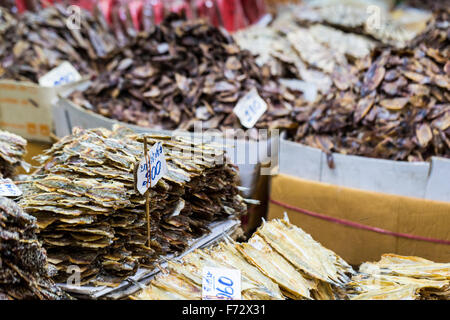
<point x="147" y="174"/>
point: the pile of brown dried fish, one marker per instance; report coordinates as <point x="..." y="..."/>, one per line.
<point x="36" y="43"/>
<point x="401" y="278"/>
<point x="183" y="72"/>
<point x="12" y="149"/>
<point x="90" y="215"/>
<point x="398" y="109"/>
<point x="280" y="260"/>
<point x="24" y="272"/>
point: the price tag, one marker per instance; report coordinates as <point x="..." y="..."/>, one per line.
<point x="151" y="169"/>
<point x="221" y="284"/>
<point x="250" y="108"/>
<point x="9" y="189"/>
<point x="63" y="74"/>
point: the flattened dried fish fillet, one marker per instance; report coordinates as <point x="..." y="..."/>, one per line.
<point x="274" y="266"/>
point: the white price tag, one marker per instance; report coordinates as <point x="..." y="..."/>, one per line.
<point x="63" y="74"/>
<point x="9" y="189"/>
<point x="151" y="168"/>
<point x="221" y="284"/>
<point x="250" y="108"/>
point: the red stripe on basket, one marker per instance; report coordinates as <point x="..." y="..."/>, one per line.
<point x="359" y="225"/>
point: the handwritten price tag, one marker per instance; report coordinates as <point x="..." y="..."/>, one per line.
<point x="63" y="74"/>
<point x="250" y="108"/>
<point x="221" y="284"/>
<point x="151" y="169"/>
<point x="9" y="189"/>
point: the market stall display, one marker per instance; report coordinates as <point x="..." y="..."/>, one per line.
<point x="90" y="215"/>
<point x="275" y="51"/>
<point x="397" y="277"/>
<point x="12" y="150"/>
<point x="24" y="272"/>
<point x="320" y="42"/>
<point x="279" y="256"/>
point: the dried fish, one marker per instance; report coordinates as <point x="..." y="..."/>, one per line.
<point x="200" y="77"/>
<point x="398" y="109"/>
<point x="84" y="200"/>
<point x="316" y="54"/>
<point x="270" y="269"/>
<point x="34" y="43"/>
<point x="391" y="27"/>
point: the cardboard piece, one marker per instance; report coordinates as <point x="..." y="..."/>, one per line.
<point x="421" y="180"/>
<point x="25" y="109"/>
<point x="395" y="213"/>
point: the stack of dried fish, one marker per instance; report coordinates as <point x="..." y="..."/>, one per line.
<point x="401" y="278"/>
<point x="12" y="149"/>
<point x="279" y="261"/>
<point x="183" y="72"/>
<point x="36" y="43"/>
<point x="90" y="215"/>
<point x="399" y="108"/>
<point x="24" y="272"/>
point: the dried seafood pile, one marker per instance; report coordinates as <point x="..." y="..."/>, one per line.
<point x="10" y="5"/>
<point x="320" y="42"/>
<point x="38" y="42"/>
<point x="401" y="278"/>
<point x="373" y="18"/>
<point x="399" y="108"/>
<point x="183" y="72"/>
<point x="12" y="149"/>
<point x="89" y="214"/>
<point x="24" y="273"/>
<point x="317" y="54"/>
<point x="279" y="261"/>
